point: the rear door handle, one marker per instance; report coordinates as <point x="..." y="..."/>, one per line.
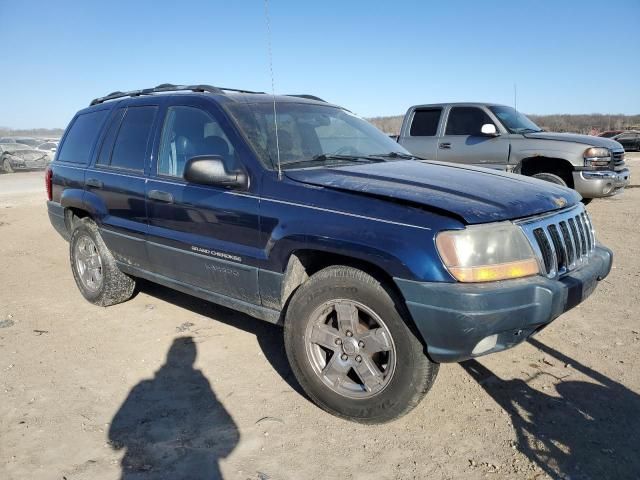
<point x="444" y="146"/>
<point x="160" y="196"/>
<point x="94" y="182"/>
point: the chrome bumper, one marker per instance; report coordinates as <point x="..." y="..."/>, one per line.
<point x="596" y="184"/>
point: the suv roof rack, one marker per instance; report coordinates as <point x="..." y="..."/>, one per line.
<point x="167" y="87"/>
<point x="308" y="97"/>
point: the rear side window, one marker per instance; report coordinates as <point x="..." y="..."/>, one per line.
<point x="425" y="122"/>
<point x="104" y="157"/>
<point x="466" y="121"/>
<point x="81" y="137"/>
<point x="133" y="136"/>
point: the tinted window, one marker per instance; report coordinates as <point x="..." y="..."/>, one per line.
<point x="466" y="121"/>
<point x="425" y="122"/>
<point x="189" y="132"/>
<point x="81" y="137"/>
<point x="131" y="143"/>
<point x="104" y="157"/>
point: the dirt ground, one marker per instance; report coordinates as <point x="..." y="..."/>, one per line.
<point x="168" y="386"/>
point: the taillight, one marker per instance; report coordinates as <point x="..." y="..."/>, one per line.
<point x="47" y="181"/>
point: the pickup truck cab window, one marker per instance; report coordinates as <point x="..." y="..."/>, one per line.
<point x="466" y="121"/>
<point x="189" y="132"/>
<point x="425" y="122"/>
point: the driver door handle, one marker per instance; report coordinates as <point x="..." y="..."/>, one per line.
<point x="444" y="146"/>
<point x="160" y="196"/>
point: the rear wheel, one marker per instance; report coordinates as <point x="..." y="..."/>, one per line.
<point x="351" y="350"/>
<point x="6" y="166"/>
<point x="94" y="268"/>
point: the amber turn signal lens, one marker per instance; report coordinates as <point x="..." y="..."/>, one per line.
<point x="490" y="273"/>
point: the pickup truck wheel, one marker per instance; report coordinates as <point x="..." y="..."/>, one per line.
<point x="351" y="349"/>
<point x="94" y="268"/>
<point x="550" y="177"/>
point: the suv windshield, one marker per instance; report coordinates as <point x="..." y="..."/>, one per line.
<point x="514" y="121"/>
<point x="312" y="135"/>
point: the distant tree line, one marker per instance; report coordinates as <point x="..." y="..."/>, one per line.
<point x="592" y="124"/>
<point x="31" y="132"/>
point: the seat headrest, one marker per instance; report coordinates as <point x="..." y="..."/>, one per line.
<point x="215" y="145"/>
<point x="184" y="146"/>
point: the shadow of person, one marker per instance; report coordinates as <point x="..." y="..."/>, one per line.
<point x="172" y="426"/>
<point x="589" y="431"/>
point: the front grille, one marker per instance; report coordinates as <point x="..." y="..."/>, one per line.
<point x="562" y="241"/>
<point x="617" y="160"/>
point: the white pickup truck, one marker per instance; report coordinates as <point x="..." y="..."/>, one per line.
<point x="498" y="136"/>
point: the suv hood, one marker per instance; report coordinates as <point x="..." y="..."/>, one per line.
<point x="476" y="195"/>
<point x="575" y="138"/>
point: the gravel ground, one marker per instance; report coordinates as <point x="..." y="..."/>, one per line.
<point x="168" y="386"/>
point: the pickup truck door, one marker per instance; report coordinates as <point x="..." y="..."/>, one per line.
<point x="463" y="142"/>
<point x="201" y="235"/>
<point x="421" y="137"/>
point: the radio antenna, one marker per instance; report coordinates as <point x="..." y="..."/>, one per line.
<point x="273" y="87"/>
<point x="515" y="96"/>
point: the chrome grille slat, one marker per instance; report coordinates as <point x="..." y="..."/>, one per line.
<point x="583" y="235"/>
<point x="562" y="241"/>
<point x="576" y="239"/>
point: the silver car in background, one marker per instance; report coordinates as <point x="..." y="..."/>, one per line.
<point x="17" y="156"/>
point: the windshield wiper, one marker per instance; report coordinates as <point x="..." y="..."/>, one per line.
<point x="328" y="157"/>
<point x="406" y="156"/>
<point x="528" y="130"/>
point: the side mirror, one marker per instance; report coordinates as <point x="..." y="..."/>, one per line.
<point x="489" y="129"/>
<point x="210" y="170"/>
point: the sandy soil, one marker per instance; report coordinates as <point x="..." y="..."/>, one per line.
<point x="93" y="393"/>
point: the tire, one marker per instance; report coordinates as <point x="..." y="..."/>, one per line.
<point x="94" y="268"/>
<point x="6" y="166"/>
<point x="586" y="201"/>
<point x="321" y="312"/>
<point x="550" y="177"/>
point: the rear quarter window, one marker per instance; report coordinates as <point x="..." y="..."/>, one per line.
<point x="81" y="137"/>
<point x="425" y="122"/>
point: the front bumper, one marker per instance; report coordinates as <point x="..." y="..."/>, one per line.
<point x="454" y="317"/>
<point x="596" y="183"/>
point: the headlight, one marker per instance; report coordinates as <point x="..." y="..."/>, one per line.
<point x="597" y="157"/>
<point x="484" y="253"/>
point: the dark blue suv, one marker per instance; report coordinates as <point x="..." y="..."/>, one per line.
<point x="379" y="265"/>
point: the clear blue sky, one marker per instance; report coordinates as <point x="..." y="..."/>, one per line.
<point x="375" y="58"/>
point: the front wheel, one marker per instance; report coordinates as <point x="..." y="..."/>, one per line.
<point x="6" y="166"/>
<point x="94" y="268"/>
<point x="550" y="177"/>
<point x="351" y="349"/>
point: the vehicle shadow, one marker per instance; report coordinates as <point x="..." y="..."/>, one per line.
<point x="588" y="431"/>
<point x="269" y="336"/>
<point x="173" y="426"/>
